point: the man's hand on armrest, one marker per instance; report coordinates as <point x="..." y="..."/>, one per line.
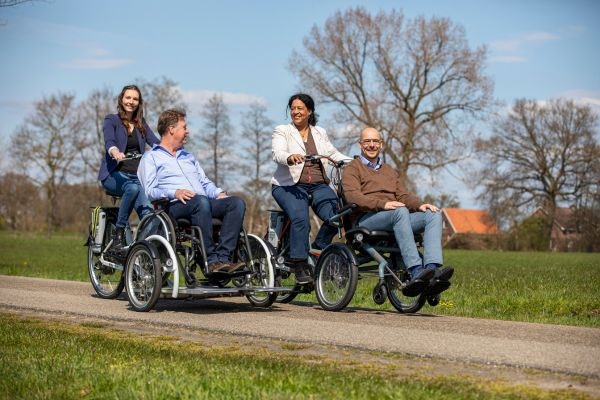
<point x="184" y="194"/>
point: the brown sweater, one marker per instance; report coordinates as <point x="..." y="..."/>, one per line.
<point x="371" y="189"/>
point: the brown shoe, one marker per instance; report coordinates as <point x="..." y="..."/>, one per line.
<point x="233" y="266"/>
<point x="216" y="267"/>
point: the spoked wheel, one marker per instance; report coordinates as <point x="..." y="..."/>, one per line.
<point x="143" y="278"/>
<point x="257" y="257"/>
<point x="402" y="303"/>
<point x="108" y="282"/>
<point x="335" y="277"/>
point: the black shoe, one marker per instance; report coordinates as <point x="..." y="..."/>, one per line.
<point x="418" y="283"/>
<point x="302" y="271"/>
<point x="440" y="281"/>
<point x="117" y="249"/>
<point x="444" y="273"/>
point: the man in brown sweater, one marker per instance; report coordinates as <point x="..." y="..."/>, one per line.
<point x="385" y="204"/>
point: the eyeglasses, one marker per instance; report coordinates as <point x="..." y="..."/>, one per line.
<point x="371" y="141"/>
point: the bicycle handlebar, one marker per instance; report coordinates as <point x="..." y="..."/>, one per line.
<point x="130" y="156"/>
<point x="313" y="158"/>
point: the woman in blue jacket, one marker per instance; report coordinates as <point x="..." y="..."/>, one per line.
<point x="125" y="132"/>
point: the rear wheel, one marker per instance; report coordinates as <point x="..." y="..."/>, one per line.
<point x="258" y="261"/>
<point x="108" y="282"/>
<point x="143" y="278"/>
<point x="335" y="277"/>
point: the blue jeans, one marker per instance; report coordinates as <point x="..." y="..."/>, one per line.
<point x="294" y="201"/>
<point x="200" y="210"/>
<point x="404" y="224"/>
<point x="132" y="196"/>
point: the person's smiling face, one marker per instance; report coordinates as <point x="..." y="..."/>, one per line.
<point x="130" y="100"/>
<point x="299" y="113"/>
<point x="180" y="133"/>
<point x="371" y="144"/>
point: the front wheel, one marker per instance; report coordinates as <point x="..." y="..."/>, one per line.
<point x="257" y="257"/>
<point x="335" y="277"/>
<point x="108" y="282"/>
<point x="402" y="303"/>
<point x="143" y="278"/>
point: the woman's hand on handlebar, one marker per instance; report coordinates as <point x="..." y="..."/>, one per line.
<point x="295" y="159"/>
<point x="117" y="155"/>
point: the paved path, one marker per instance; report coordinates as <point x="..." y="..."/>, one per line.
<point x="564" y="349"/>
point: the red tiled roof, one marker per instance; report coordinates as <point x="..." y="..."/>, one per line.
<point x="470" y="221"/>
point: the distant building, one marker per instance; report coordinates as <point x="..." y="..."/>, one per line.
<point x="464" y="227"/>
<point x="565" y="231"/>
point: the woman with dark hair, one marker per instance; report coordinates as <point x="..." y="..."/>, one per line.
<point x="125" y="132"/>
<point x="294" y="180"/>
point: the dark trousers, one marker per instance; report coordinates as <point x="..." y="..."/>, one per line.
<point x="200" y="210"/>
<point x="294" y="201"/>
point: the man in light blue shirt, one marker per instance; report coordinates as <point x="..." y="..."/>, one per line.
<point x="168" y="171"/>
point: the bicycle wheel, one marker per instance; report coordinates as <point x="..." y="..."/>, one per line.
<point x="143" y="278"/>
<point x="108" y="282"/>
<point x="402" y="303"/>
<point x="336" y="277"/>
<point x="258" y="260"/>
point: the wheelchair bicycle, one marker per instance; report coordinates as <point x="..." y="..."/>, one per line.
<point x="106" y="271"/>
<point x="278" y="240"/>
<point x="166" y="258"/>
<point x="368" y="252"/>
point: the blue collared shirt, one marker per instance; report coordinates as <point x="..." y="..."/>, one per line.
<point x="161" y="174"/>
<point x="371" y="165"/>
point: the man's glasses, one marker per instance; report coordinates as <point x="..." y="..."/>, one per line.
<point x="371" y="141"/>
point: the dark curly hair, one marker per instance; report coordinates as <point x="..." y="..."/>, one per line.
<point x="308" y="102"/>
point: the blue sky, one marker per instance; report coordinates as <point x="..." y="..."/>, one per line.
<point x="537" y="49"/>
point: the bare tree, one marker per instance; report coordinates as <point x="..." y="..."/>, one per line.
<point x="11" y="3"/>
<point x="540" y="155"/>
<point x="97" y="106"/>
<point x="48" y="147"/>
<point x="417" y="81"/>
<point x="159" y="95"/>
<point x="256" y="130"/>
<point x="18" y="199"/>
<point x="216" y="139"/>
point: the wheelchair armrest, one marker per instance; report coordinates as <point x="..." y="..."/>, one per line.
<point x="163" y="202"/>
<point x="335" y="220"/>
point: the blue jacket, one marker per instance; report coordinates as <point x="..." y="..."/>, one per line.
<point x="116" y="135"/>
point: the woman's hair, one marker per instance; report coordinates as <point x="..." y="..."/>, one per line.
<point x="308" y="102"/>
<point x="137" y="118"/>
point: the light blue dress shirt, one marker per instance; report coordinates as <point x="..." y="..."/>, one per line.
<point x="371" y="165"/>
<point x="161" y="174"/>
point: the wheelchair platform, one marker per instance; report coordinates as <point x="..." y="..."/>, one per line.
<point x="208" y="291"/>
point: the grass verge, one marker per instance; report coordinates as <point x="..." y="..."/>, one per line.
<point x="92" y="362"/>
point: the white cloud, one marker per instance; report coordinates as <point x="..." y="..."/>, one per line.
<point x="509" y="50"/>
<point x="96" y="63"/>
<point x="508" y="59"/>
<point x="198" y="98"/>
<point x="516" y="44"/>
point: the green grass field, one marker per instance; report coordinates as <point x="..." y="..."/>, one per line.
<point x="45" y="359"/>
<point x="554" y="288"/>
<point x="54" y="360"/>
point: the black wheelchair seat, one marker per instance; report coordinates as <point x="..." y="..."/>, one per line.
<point x="112" y="194"/>
<point x="368" y="235"/>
